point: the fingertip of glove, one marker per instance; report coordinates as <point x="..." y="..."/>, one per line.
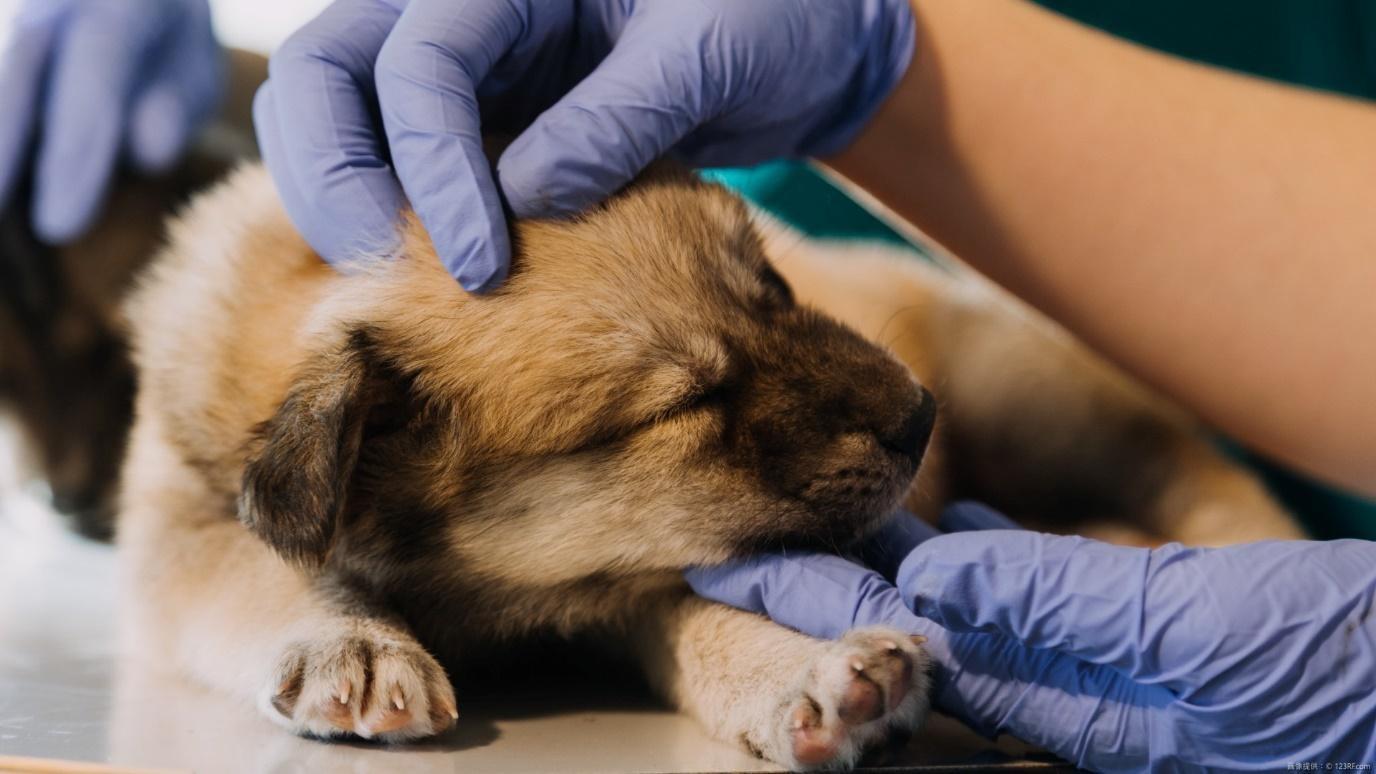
<point x="59" y="223"/>
<point x="530" y="190"/>
<point x="481" y="284"/>
<point x="734" y="583"/>
<point x="64" y="203"/>
<point x="478" y="271"/>
<point x="699" y="578"/>
<point x="541" y="176"/>
<point x="158" y="132"/>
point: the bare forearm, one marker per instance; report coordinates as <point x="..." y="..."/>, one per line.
<point x="1213" y="233"/>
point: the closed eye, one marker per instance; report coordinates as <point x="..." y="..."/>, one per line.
<point x="691" y="406"/>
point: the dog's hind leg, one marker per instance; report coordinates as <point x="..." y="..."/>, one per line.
<point x="205" y="596"/>
<point x="799" y="701"/>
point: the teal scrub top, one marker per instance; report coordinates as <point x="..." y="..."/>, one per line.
<point x="1325" y="44"/>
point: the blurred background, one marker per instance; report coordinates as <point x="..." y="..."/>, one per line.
<point x="257" y="25"/>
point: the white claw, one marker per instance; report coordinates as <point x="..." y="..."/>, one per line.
<point x="857" y="665"/>
<point x="343" y="693"/>
<point x="889" y="645"/>
<point x="397" y="702"/>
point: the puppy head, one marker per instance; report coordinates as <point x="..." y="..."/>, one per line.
<point x="643" y="393"/>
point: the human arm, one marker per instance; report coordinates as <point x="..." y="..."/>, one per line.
<point x="1211" y="232"/>
<point x="85" y="83"/>
<point x="1117" y="659"/>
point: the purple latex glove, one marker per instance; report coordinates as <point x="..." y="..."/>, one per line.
<point x="378" y="102"/>
<point x="1252" y="657"/>
<point x="85" y="82"/>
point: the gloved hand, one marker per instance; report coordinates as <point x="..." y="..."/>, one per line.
<point x="100" y="79"/>
<point x="1117" y="659"/>
<point x="610" y="85"/>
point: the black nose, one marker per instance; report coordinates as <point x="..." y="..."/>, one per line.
<point x="910" y="435"/>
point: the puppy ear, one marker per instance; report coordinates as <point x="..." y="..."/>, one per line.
<point x="296" y="484"/>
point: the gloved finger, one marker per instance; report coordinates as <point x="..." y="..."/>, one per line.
<point x="180" y="93"/>
<point x="320" y="138"/>
<point x="21" y="82"/>
<point x="643" y="98"/>
<point x="970" y="516"/>
<point x="428" y="75"/>
<point x="97" y="64"/>
<point x="818" y="594"/>
<point x="887" y="548"/>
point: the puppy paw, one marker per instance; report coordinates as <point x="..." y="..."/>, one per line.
<point x="863" y="689"/>
<point x="371" y="682"/>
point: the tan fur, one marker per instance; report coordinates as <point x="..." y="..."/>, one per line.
<point x="338" y="481"/>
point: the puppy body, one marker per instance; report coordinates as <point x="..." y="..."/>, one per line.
<point x="338" y="482"/>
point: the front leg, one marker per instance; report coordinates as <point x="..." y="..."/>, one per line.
<point x="206" y="597"/>
<point x="241" y="620"/>
<point x="799" y="701"/>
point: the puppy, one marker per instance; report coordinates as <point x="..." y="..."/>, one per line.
<point x="338" y="482"/>
<point x="342" y="487"/>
